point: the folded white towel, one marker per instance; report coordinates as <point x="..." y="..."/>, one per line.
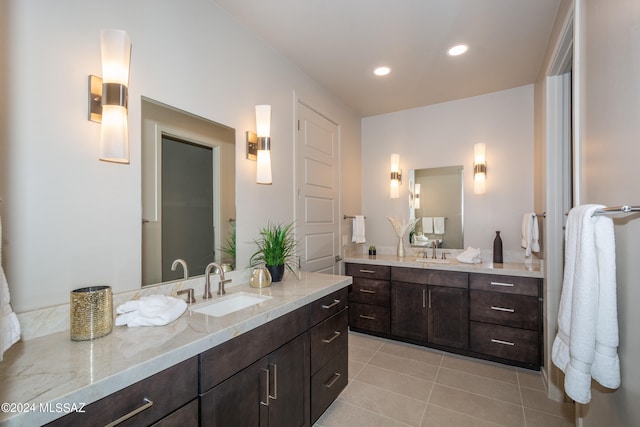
<point x="427" y="225"/>
<point x="438" y="225"/>
<point x="530" y="233"/>
<point x="358" y="229"/>
<point x="586" y="344"/>
<point x="470" y="256"/>
<point x="9" y="325"/>
<point x="153" y="310"/>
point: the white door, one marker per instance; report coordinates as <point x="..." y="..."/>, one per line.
<point x="317" y="184"/>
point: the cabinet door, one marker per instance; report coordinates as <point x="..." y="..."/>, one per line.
<point x="289" y="384"/>
<point x="240" y="400"/>
<point x="409" y="310"/>
<point x="448" y="316"/>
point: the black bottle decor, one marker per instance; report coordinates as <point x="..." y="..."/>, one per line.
<point x="497" y="249"/>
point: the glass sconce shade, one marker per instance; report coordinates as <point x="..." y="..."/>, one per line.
<point x="263" y="130"/>
<point x="396" y="177"/>
<point x="479" y="168"/>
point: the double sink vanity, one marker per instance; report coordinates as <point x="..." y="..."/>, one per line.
<point x="271" y="356"/>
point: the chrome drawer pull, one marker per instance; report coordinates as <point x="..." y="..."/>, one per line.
<point x="333" y="304"/>
<point x="336" y="334"/>
<point x="368" y="271"/>
<point x="266" y="389"/>
<point x="501" y="342"/>
<point x="509" y="310"/>
<point x="148" y="404"/>
<point x="367" y="291"/>
<point x="275" y="381"/>
<point x="502" y="284"/>
<point x="363" y="316"/>
<point x="335" y="378"/>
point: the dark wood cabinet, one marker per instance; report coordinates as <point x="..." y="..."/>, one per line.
<point x="448" y="322"/>
<point x="409" y="313"/>
<point x="369" y="298"/>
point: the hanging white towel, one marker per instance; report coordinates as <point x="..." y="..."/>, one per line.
<point x="530" y="233"/>
<point x="427" y="225"/>
<point x="358" y="229"/>
<point x="9" y="325"/>
<point x="153" y="310"/>
<point x="438" y="225"/>
<point x="586" y="344"/>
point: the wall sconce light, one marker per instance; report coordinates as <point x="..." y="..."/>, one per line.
<point x="259" y="145"/>
<point x="396" y="176"/>
<point x="108" y="96"/>
<point x="479" y="168"/>
<point x="415" y="196"/>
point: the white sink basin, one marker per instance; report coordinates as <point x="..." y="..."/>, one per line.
<point x="434" y="261"/>
<point x="231" y="303"/>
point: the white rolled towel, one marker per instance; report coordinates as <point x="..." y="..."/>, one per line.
<point x="153" y="310"/>
<point x="470" y="256"/>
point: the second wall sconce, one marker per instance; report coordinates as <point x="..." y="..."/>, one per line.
<point x="259" y="144"/>
<point x="108" y="96"/>
<point x="414" y="196"/>
<point x="479" y="169"/>
<point x="396" y="177"/>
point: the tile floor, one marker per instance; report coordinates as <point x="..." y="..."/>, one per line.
<point x="398" y="384"/>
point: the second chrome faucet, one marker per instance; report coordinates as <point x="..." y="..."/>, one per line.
<point x="207" y="280"/>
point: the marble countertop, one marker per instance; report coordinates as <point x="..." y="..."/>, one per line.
<point x="46" y="373"/>
<point x="522" y="269"/>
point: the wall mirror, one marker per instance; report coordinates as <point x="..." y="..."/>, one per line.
<point x="441" y="206"/>
<point x="188" y="192"/>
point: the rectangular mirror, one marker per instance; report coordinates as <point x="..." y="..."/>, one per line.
<point x="188" y="192"/>
<point x="441" y="203"/>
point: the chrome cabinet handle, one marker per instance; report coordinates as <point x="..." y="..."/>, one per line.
<point x="266" y="389"/>
<point x="333" y="380"/>
<point x="336" y="334"/>
<point x="367" y="291"/>
<point x="424" y="298"/>
<point x="333" y="304"/>
<point x="501" y="284"/>
<point x="364" y="316"/>
<point x="429" y="298"/>
<point x="508" y="310"/>
<point x="148" y="404"/>
<point x="368" y="271"/>
<point x="501" y="342"/>
<point x="275" y="381"/>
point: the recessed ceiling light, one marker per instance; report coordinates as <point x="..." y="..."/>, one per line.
<point x="382" y="71"/>
<point x="458" y="49"/>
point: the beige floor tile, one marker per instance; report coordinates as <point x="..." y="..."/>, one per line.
<point x="383" y="402"/>
<point x="536" y="418"/>
<point x="402" y="365"/>
<point x="354" y="368"/>
<point x="487" y="369"/>
<point x="421" y="354"/>
<point x="534" y="399"/>
<point x="341" y="414"/>
<point x="436" y="416"/>
<point x="495" y="411"/>
<point x="366" y="341"/>
<point x="480" y="385"/>
<point x="360" y="354"/>
<point x="398" y="383"/>
<point x="530" y="379"/>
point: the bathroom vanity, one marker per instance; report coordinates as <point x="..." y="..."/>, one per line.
<point x="478" y="310"/>
<point x="280" y="362"/>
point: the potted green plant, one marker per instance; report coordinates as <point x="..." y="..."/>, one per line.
<point x="276" y="250"/>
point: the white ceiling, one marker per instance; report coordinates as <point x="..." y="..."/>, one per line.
<point x="339" y="43"/>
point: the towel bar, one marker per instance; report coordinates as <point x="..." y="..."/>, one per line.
<point x="617" y="209"/>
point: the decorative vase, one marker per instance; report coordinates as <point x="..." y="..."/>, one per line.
<point x="400" y="251"/>
<point x="276" y="271"/>
<point x="497" y="249"/>
<point x="401" y="230"/>
<point x="91" y="313"/>
<point x="260" y="278"/>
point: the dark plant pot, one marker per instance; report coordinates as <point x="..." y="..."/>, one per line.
<point x="372" y="252"/>
<point x="276" y="271"/>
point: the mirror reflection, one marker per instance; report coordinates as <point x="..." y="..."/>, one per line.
<point x="441" y="207"/>
<point x="188" y="193"/>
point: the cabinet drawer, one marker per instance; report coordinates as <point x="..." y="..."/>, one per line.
<point x="329" y="305"/>
<point x="187" y="416"/>
<point x="452" y="279"/>
<point x="370" y="291"/>
<point x="508" y="343"/>
<point x="181" y="379"/>
<point x="517" y="311"/>
<point x="505" y="284"/>
<point x="369" y="317"/>
<point x="381" y="272"/>
<point x="327" y="384"/>
<point x="328" y="339"/>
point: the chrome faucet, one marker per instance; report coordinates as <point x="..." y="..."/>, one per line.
<point x="434" y="245"/>
<point x="183" y="263"/>
<point x="207" y="280"/>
